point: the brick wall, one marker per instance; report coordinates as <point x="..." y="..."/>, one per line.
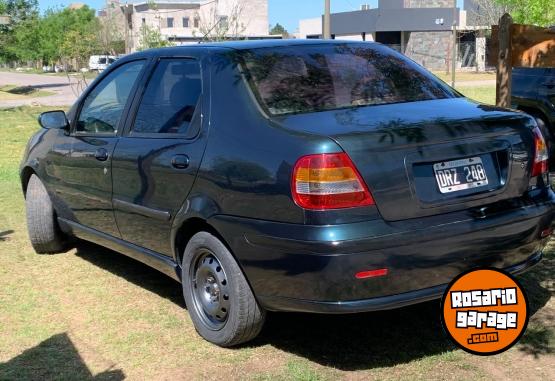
<point x="430" y="49"/>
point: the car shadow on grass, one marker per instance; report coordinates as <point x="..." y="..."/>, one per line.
<point x="346" y="342"/>
<point x="539" y="338"/>
<point x="131" y="270"/>
<point x="53" y="359"/>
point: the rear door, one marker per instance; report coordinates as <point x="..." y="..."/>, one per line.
<point x="85" y="176"/>
<point x="156" y="162"/>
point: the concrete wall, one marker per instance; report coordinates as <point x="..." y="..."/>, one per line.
<point x="391" y="20"/>
<point x="391" y="4"/>
<point x="429" y="3"/>
<point x="310" y="27"/>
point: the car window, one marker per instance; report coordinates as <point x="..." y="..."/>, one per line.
<point x="170" y="99"/>
<point x="299" y="79"/>
<point x="103" y="107"/>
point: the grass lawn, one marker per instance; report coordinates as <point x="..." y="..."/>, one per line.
<point x="90" y="313"/>
<point x="9" y="92"/>
<point x="484" y="94"/>
<point x="465" y="76"/>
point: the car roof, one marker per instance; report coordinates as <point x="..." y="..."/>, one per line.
<point x="212" y="47"/>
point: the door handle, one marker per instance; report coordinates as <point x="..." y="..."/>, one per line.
<point x="180" y="161"/>
<point x="101" y="154"/>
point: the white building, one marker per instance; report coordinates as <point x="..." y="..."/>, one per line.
<point x="188" y="21"/>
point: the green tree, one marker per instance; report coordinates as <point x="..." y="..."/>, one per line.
<point x="534" y="12"/>
<point x="68" y="34"/>
<point x="279" y="29"/>
<point x="151" y="38"/>
<point x="24" y="42"/>
<point x="20" y="12"/>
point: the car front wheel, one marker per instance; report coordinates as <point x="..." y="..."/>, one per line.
<point x="219" y="299"/>
<point x="44" y="232"/>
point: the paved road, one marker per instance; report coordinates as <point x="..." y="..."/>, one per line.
<point x="64" y="91"/>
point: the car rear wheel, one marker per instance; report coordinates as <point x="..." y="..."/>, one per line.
<point x="219" y="299"/>
<point x="44" y="232"/>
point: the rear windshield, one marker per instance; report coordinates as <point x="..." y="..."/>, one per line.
<point x="299" y="79"/>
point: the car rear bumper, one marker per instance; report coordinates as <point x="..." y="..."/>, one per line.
<point x="312" y="268"/>
<point x="379" y="303"/>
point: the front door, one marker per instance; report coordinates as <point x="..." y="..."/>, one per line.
<point x="156" y="162"/>
<point x="86" y="176"/>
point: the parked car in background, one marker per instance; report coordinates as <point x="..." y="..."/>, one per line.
<point x="58" y="68"/>
<point x="101" y="62"/>
<point x="533" y="91"/>
<point x="313" y="176"/>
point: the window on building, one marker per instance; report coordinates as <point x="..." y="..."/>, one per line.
<point x="185" y="22"/>
<point x="223" y="22"/>
<point x="169" y="22"/>
<point x="197" y="22"/>
<point x="171" y="98"/>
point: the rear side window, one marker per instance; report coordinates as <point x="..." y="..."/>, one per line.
<point x="298" y="79"/>
<point x="170" y="99"/>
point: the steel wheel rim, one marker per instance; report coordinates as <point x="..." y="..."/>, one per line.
<point x="210" y="289"/>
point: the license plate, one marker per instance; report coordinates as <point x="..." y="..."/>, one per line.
<point x="457" y="175"/>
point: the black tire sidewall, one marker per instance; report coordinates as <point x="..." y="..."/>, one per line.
<point x="225" y="336"/>
<point x="44" y="232"/>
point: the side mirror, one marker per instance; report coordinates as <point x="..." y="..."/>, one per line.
<point x="53" y="120"/>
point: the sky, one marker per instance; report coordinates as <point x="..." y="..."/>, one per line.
<point x="286" y="12"/>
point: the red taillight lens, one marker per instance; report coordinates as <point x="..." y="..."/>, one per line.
<point x="541" y="154"/>
<point x="328" y="181"/>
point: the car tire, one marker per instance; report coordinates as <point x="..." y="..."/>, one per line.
<point x="219" y="299"/>
<point x="42" y="224"/>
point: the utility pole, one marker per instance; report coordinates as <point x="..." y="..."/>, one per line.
<point x="327" y="20"/>
<point x="125" y="8"/>
<point x="454" y="45"/>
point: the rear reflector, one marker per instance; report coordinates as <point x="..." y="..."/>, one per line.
<point x="328" y="181"/>
<point x="541" y="154"/>
<point x="371" y="273"/>
<point x="546" y="232"/>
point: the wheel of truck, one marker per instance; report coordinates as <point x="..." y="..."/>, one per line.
<point x="42" y="225"/>
<point x="218" y="297"/>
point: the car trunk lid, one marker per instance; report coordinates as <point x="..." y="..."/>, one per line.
<point x="406" y="151"/>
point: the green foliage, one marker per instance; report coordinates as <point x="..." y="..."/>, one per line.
<point x="279" y="29"/>
<point x="151" y="38"/>
<point x="57" y="35"/>
<point x="534" y="12"/>
<point x="21" y="12"/>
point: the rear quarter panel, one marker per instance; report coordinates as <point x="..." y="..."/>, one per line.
<point x="248" y="162"/>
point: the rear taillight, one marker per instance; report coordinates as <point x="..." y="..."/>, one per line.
<point x="328" y="181"/>
<point x="541" y="154"/>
